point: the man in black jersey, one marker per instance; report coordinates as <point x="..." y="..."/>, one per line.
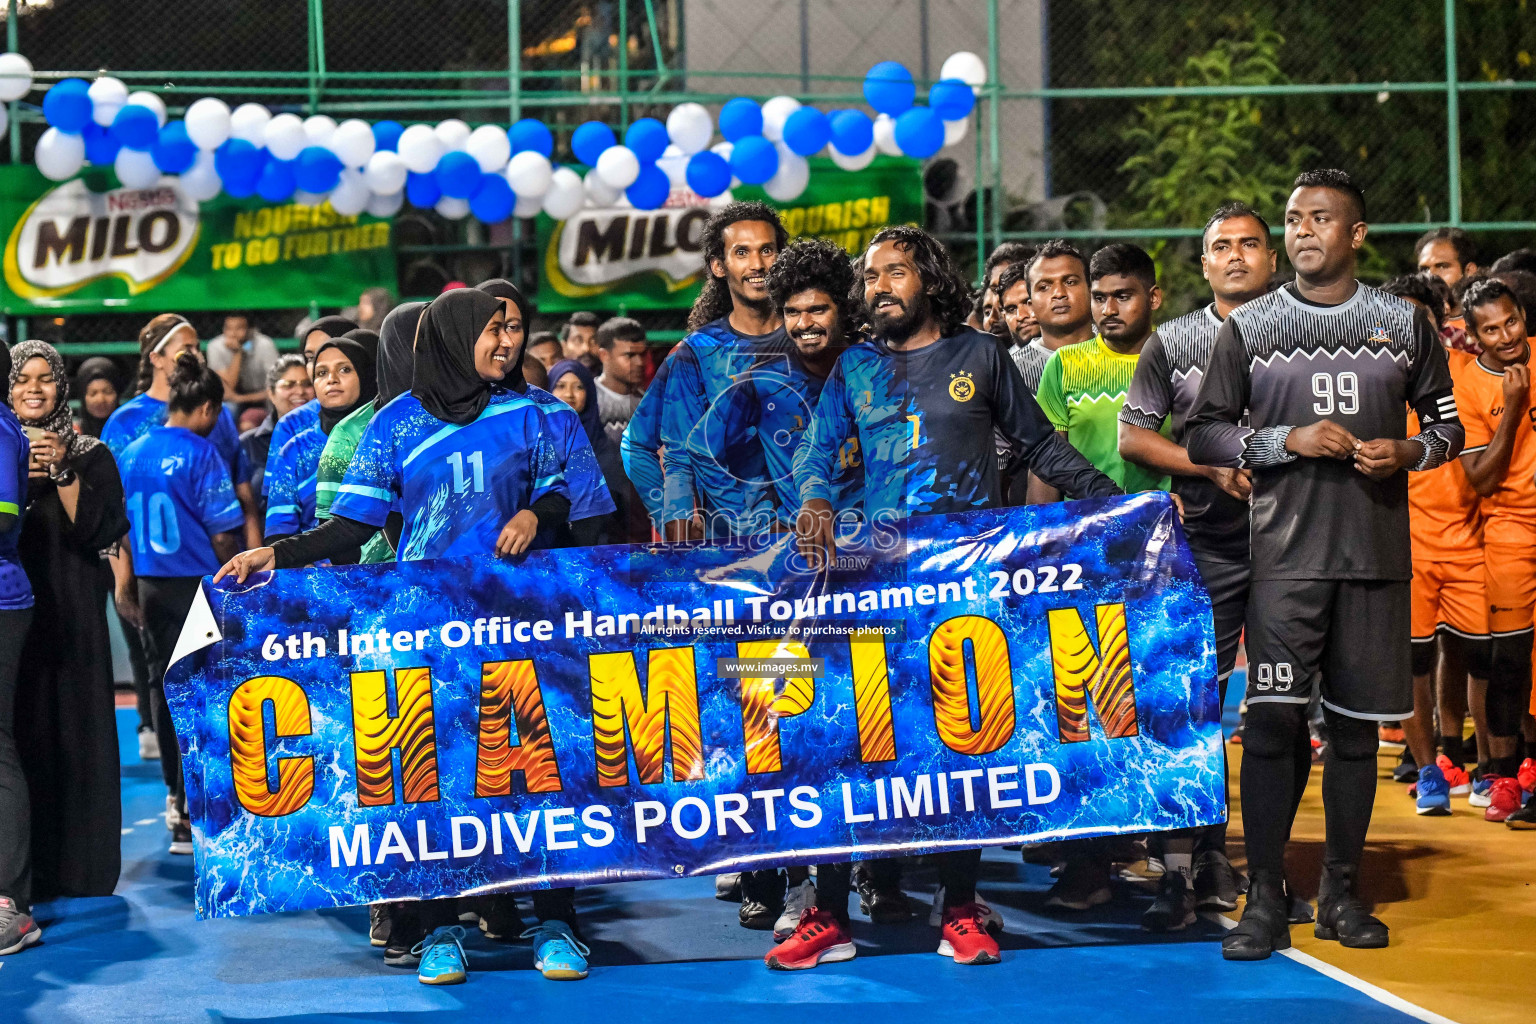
<point x="1238" y="261"/>
<point x="1321" y="365"/>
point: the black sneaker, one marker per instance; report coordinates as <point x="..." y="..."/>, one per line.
<point x="17" y="929"/>
<point x="762" y="899"/>
<point x="728" y="887"/>
<point x="1173" y="909"/>
<point x="499" y="919"/>
<point x="378" y="925"/>
<point x="1524" y="819"/>
<point x="1407" y="769"/>
<point x="1341" y="916"/>
<point x="1083" y="885"/>
<point x="883" y="906"/>
<point x="398" y="954"/>
<point x="181" y="838"/>
<point x="1263" y="928"/>
<point x="1215" y="882"/>
<point x="1297" y="910"/>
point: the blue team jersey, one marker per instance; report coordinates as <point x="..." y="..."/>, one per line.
<point x="732" y="487"/>
<point x="285" y="430"/>
<point x="641" y="447"/>
<point x="291" y="493"/>
<point x="134" y="418"/>
<point x="179" y="495"/>
<point x="456" y="485"/>
<point x="578" y="462"/>
<point x="15" y="590"/>
<point x="774" y="402"/>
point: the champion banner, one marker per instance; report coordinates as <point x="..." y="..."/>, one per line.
<point x="468" y="726"/>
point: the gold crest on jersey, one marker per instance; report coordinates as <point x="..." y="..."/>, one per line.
<point x="961" y="386"/>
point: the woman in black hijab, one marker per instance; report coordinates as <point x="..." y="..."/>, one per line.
<point x="99" y="385"/>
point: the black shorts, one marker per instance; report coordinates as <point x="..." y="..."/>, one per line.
<point x="1227" y="583"/>
<point x="1353" y="635"/>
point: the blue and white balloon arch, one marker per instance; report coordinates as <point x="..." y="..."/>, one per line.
<point x="490" y="172"/>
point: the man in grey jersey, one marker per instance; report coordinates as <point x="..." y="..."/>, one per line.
<point x="1326" y="369"/>
<point x="1238" y="260"/>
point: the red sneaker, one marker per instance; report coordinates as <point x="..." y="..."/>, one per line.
<point x="1526" y="776"/>
<point x="818" y="937"/>
<point x="1504" y="799"/>
<point x="964" y="937"/>
<point x="1456" y="776"/>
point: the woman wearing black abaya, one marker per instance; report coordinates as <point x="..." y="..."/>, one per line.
<point x="66" y="722"/>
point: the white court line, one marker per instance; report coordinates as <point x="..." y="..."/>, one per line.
<point x="1343" y="977"/>
<point x="146" y="821"/>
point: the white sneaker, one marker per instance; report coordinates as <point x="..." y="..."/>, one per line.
<point x="170" y="815"/>
<point x="800" y="899"/>
<point x="149" y="745"/>
<point x="990" y="918"/>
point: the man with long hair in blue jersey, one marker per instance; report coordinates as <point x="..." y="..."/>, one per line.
<point x="924" y="397"/>
<point x="161" y="343"/>
<point x="345" y="380"/>
<point x="308" y="414"/>
<point x="185" y="522"/>
<point x="467" y="455"/>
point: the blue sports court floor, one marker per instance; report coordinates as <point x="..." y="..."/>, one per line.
<point x="660" y="949"/>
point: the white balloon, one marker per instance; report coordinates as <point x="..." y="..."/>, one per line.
<point x="303" y="198"/>
<point x="490" y="147"/>
<point x="58" y="155"/>
<point x="453" y="133"/>
<point x="565" y="196"/>
<point x="790" y="179"/>
<point x="885" y="135"/>
<point x="350" y="196"/>
<point x="318" y="129"/>
<point x="145" y="98"/>
<point x="107" y="96"/>
<point x="599" y="192"/>
<point x="15" y="76"/>
<point x="857" y="162"/>
<point x="690" y="127"/>
<point x="618" y="167"/>
<point x="955" y="130"/>
<point x="420" y="148"/>
<point x="453" y="209"/>
<point x="528" y="206"/>
<point x="386" y="205"/>
<point x="201" y="182"/>
<point x="674" y="164"/>
<point x="530" y="174"/>
<point x="352" y="142"/>
<point x="136" y="168"/>
<point x="775" y="112"/>
<point x="386" y="173"/>
<point x="284" y="136"/>
<point x="249" y="122"/>
<point x="208" y="123"/>
<point x="967" y="67"/>
<point x="725" y="149"/>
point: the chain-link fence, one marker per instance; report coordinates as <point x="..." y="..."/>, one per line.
<point x="1112" y="119"/>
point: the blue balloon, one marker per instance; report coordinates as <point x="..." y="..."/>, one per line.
<point x="493" y="199"/>
<point x="650" y="190"/>
<point x="100" y="147"/>
<point x="531" y="134"/>
<point x="238" y="164"/>
<point x="648" y="138"/>
<point x="67" y="105"/>
<point x="386" y="136"/>
<point x="136" y="127"/>
<point x="852" y="132"/>
<point x="458" y="175"/>
<point x="708" y="174"/>
<point x="739" y="118"/>
<point x="173" y="151"/>
<point x="951" y="99"/>
<point x="316" y="169"/>
<point x="807" y="131"/>
<point x="422" y="190"/>
<point x="278" y="180"/>
<point x="590" y="139"/>
<point x="754" y="159"/>
<point x="920" y="132"/>
<point x="889" y="88"/>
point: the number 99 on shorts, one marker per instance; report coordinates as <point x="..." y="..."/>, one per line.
<point x="1272" y="677"/>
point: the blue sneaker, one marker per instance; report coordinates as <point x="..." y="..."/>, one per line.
<point x="1434" y="791"/>
<point x="442" y="957"/>
<point x="557" y="953"/>
<point x="1482" y="785"/>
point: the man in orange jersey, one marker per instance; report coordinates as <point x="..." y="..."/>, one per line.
<point x="1445" y="522"/>
<point x="1493" y="391"/>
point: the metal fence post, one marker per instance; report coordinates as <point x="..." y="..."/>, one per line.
<point x="1452" y="116"/>
<point x="994" y="108"/>
<point x="514" y="60"/>
<point x="623" y="65"/>
<point x="12" y="35"/>
<point x="316" y="53"/>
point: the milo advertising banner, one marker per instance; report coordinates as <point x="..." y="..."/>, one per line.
<point x="613" y="257"/>
<point x="89" y="244"/>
